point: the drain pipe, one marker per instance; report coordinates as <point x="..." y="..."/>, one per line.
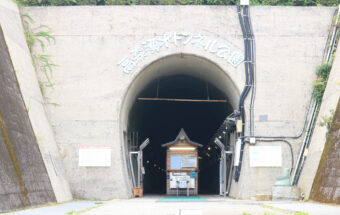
<point x="253" y="92"/>
<point x="251" y="64"/>
<point x="244" y="92"/>
<point x="333" y="36"/>
<point x="304" y="144"/>
<point x="305" y="147"/>
<point x="247" y="32"/>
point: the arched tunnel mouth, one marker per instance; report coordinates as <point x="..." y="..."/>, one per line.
<point x="161" y="120"/>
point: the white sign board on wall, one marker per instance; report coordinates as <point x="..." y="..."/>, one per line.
<point x="265" y="156"/>
<point x="94" y="156"/>
<point x="244" y="2"/>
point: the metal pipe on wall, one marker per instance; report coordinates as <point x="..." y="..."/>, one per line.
<point x="309" y="132"/>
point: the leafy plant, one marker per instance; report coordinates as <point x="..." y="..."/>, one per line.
<point x="323" y="70"/>
<point x="26" y="20"/>
<point x="46" y="66"/>
<point x="71" y="213"/>
<point x="268" y="213"/>
<point x="40" y="33"/>
<point x="55" y="104"/>
<point x="327" y="120"/>
<point x="321" y="81"/>
<point x="43" y="32"/>
<point x="43" y="62"/>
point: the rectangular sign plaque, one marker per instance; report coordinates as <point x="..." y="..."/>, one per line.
<point x="175" y="162"/>
<point x="95" y="156"/>
<point x="265" y="156"/>
<point x="189" y="162"/>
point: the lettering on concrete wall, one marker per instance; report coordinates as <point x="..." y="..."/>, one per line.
<point x="157" y="43"/>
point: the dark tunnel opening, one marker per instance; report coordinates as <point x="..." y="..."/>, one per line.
<point x="162" y="120"/>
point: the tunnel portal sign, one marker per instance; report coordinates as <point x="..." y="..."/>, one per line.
<point x="94" y="156"/>
<point x="154" y="45"/>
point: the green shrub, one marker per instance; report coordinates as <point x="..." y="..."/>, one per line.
<point x="301" y="213"/>
<point x="323" y="71"/>
<point x="319" y="86"/>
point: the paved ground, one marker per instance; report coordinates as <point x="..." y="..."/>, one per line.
<point x="58" y="209"/>
<point x="214" y="206"/>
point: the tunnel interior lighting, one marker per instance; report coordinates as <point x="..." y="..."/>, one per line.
<point x="182" y="148"/>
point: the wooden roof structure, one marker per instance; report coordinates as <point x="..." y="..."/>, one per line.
<point x="182" y="135"/>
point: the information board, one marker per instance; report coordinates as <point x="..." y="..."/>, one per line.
<point x="189" y="162"/>
<point x="175" y="162"/>
<point x="265" y="156"/>
<point x="94" y="156"/>
<point x="181" y="180"/>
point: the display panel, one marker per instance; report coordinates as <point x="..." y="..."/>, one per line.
<point x="175" y="162"/>
<point x="182" y="180"/>
<point x="94" y="156"/>
<point x="265" y="156"/>
<point x="189" y="162"/>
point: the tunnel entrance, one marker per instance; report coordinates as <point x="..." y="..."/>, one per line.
<point x="161" y="120"/>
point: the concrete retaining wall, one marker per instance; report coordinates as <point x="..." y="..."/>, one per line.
<point x="326" y="186"/>
<point x="318" y="140"/>
<point x="14" y="36"/>
<point x="23" y="177"/>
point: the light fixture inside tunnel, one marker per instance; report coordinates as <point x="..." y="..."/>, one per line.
<point x="181" y="148"/>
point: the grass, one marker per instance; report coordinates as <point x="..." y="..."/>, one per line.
<point x="82" y="211"/>
<point x="281" y="211"/>
<point x="42" y="36"/>
<point x="275" y="209"/>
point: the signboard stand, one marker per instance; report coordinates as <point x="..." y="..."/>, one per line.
<point x="182" y="166"/>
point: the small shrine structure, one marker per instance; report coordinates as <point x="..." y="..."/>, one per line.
<point x="182" y="166"/>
